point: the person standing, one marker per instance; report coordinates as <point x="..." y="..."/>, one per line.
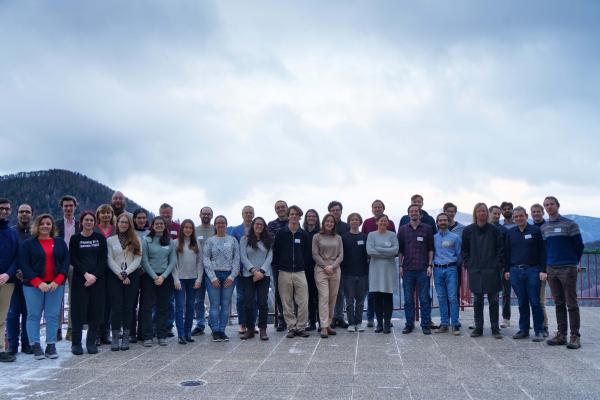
<point x="290" y="252"/>
<point x="9" y="247"/>
<point x="508" y="223"/>
<point x="564" y="248"/>
<point x="382" y="247"/>
<point x="105" y="225"/>
<point x="67" y="227"/>
<point x="44" y="260"/>
<point x="507" y="213"/>
<point x="140" y="222"/>
<point x="187" y="276"/>
<point x="124" y="261"/>
<point x="16" y="319"/>
<point x="483" y="254"/>
<point x="311" y="226"/>
<point x="451" y="210"/>
<point x="368" y="226"/>
<point x="537" y="215"/>
<point x="445" y="274"/>
<point x="238" y="232"/>
<point x="525" y="269"/>
<point x="88" y="256"/>
<point x="158" y="260"/>
<point x="166" y="212"/>
<point x="328" y="253"/>
<point x="281" y="209"/>
<point x="335" y="208"/>
<point x="119" y="204"/>
<point x="494" y="218"/>
<point x="256" y="254"/>
<point x="203" y="232"/>
<point x="221" y="257"/>
<point x="415" y="242"/>
<point x="355" y="272"/>
<point x="417" y="200"/>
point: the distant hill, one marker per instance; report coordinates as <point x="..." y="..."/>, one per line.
<point x="43" y="189"/>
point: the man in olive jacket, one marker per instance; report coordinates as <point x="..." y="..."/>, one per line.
<point x="483" y="254"/>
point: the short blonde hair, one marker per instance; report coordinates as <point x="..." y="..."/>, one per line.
<point x="36" y="225"/>
<point x="105" y="207"/>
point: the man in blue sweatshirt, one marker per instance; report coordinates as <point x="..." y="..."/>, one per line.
<point x="564" y="248"/>
<point x="9" y="246"/>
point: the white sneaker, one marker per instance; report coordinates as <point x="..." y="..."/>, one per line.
<point x="505" y="323"/>
<point x="351" y="328"/>
<point x="360" y="328"/>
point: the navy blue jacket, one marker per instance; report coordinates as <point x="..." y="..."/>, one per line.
<point x="525" y="248"/>
<point x="291" y="251"/>
<point x="32" y="259"/>
<point x="9" y="247"/>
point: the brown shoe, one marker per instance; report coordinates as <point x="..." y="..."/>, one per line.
<point x="290" y="334"/>
<point x="263" y="334"/>
<point x="331" y="331"/>
<point x="574" y="342"/>
<point x="442" y="329"/>
<point x="324" y="334"/>
<point x="249" y="334"/>
<point x="558" y="340"/>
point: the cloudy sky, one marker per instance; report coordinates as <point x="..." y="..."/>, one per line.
<point x="229" y="103"/>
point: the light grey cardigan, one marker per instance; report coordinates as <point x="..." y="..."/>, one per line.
<point x="117" y="256"/>
<point x="259" y="258"/>
<point x="189" y="263"/>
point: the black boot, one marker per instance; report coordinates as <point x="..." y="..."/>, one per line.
<point x="115" y="345"/>
<point x="76" y="347"/>
<point x="387" y="326"/>
<point x="90" y="341"/>
<point x="125" y="340"/>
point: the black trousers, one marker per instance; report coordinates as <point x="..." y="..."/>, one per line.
<point x="506" y="291"/>
<point x="87" y="306"/>
<point x="122" y="300"/>
<point x="256" y="293"/>
<point x="135" y="329"/>
<point x="278" y="305"/>
<point x="159" y="296"/>
<point x="313" y="296"/>
<point x="383" y="305"/>
<point x="355" y="289"/>
<point x="493" y="308"/>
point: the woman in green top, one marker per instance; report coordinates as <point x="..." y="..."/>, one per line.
<point x="158" y="259"/>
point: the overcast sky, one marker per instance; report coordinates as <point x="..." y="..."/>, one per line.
<point x="229" y="103"/>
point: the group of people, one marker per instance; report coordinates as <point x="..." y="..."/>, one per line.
<point x="131" y="279"/>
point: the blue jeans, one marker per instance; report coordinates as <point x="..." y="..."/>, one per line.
<point x="446" y="287"/>
<point x="47" y="303"/>
<point x="184" y="304"/>
<point x="410" y="280"/>
<point x="526" y="284"/>
<point x="199" y="307"/>
<point x="220" y="299"/>
<point x="16" y="319"/>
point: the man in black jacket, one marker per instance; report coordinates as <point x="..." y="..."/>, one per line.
<point x="483" y="255"/>
<point x="290" y="250"/>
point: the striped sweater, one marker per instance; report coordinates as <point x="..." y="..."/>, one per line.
<point x="564" y="245"/>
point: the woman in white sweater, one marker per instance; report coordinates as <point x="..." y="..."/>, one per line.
<point x="187" y="277"/>
<point x="124" y="259"/>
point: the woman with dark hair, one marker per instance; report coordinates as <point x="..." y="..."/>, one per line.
<point x="158" y="260"/>
<point x="187" y="276"/>
<point x="44" y="261"/>
<point x="105" y="220"/>
<point x="140" y="225"/>
<point x="382" y="246"/>
<point x="256" y="255"/>
<point x="221" y="265"/>
<point x="312" y="226"/>
<point x="124" y="260"/>
<point x="328" y="253"/>
<point x="88" y="257"/>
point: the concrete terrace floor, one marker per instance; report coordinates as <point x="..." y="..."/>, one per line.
<point x="346" y="366"/>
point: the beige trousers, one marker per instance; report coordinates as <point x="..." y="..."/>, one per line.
<point x="6" y="292"/>
<point x="294" y="289"/>
<point x="327" y="286"/>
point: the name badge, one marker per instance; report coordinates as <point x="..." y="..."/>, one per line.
<point x="226" y="244"/>
<point x="298" y="241"/>
<point x="446" y="244"/>
<point x="200" y="238"/>
<point x="360" y="243"/>
<point x="419" y="238"/>
<point x="387" y="244"/>
<point x="557" y="230"/>
<point x="165" y="247"/>
<point x="528" y="236"/>
<point x="174" y="233"/>
<point x="116" y="247"/>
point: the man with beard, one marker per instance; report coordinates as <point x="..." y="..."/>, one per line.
<point x="281" y="209"/>
<point x="118" y="203"/>
<point x="203" y="232"/>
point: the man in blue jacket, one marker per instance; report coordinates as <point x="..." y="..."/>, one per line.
<point x="564" y="248"/>
<point x="9" y="246"/>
